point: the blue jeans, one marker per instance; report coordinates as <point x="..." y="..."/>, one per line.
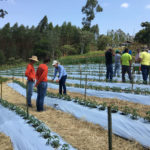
<point x="117" y="69"/>
<point x="41" y="93"/>
<point x="109" y="73"/>
<point x="145" y="72"/>
<point x="29" y="91"/>
<point x="62" y="84"/>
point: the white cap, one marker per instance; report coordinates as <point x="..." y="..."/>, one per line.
<point x="55" y="62"/>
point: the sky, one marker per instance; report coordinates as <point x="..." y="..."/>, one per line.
<point x="124" y="14"/>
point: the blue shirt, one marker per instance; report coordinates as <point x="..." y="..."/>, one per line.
<point x="61" y="70"/>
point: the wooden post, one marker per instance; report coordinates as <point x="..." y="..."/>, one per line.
<point x="85" y="86"/>
<point x="109" y="129"/>
<point x="99" y="71"/>
<point x="1" y="89"/>
<point x="149" y="78"/>
<point x="27" y="99"/>
<point x="80" y="74"/>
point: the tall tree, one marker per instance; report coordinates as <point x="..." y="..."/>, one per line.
<point x="143" y="36"/>
<point x="90" y="8"/>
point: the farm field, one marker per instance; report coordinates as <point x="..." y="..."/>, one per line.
<point x="132" y="101"/>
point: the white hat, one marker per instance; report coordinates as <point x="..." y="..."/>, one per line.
<point x="34" y="58"/>
<point x="55" y="62"/>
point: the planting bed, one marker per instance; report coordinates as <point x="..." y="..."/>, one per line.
<point x="80" y="134"/>
<point x="122" y="125"/>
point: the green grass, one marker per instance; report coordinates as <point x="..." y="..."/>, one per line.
<point x="91" y="57"/>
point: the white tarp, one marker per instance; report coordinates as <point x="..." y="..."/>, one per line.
<point x="22" y="135"/>
<point x="122" y="125"/>
<point x="142" y="99"/>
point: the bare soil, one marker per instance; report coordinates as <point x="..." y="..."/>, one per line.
<point x="5" y="142"/>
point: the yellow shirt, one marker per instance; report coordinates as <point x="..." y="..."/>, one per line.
<point x="145" y="56"/>
<point x="126" y="58"/>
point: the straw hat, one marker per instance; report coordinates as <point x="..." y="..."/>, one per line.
<point x="55" y="62"/>
<point x="34" y="58"/>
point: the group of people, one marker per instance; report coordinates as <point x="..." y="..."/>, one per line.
<point x="125" y="60"/>
<point x="39" y="80"/>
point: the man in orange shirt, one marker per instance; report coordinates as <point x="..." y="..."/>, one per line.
<point x="30" y="74"/>
<point x="41" y="84"/>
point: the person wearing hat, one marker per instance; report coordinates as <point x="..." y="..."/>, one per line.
<point x="117" y="63"/>
<point x="41" y="83"/>
<point x="62" y="76"/>
<point x="30" y="74"/>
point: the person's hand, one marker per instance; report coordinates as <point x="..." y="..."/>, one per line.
<point x="57" y="81"/>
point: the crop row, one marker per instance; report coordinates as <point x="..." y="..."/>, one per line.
<point x="130" y="112"/>
<point x="39" y="126"/>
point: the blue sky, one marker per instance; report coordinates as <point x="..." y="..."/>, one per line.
<point x="124" y="14"/>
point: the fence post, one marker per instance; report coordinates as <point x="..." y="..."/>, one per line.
<point x="80" y="74"/>
<point x="109" y="129"/>
<point x="27" y="99"/>
<point x="1" y="89"/>
<point x="149" y="78"/>
<point x="99" y="71"/>
<point x="85" y="86"/>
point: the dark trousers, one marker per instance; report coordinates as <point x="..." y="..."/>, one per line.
<point x="62" y="84"/>
<point x="126" y="69"/>
<point x="41" y="93"/>
<point x="145" y="72"/>
<point x="109" y="73"/>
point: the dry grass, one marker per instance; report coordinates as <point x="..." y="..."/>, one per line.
<point x="5" y="142"/>
<point x="79" y="133"/>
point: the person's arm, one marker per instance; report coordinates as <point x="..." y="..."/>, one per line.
<point x="121" y="60"/>
<point x="55" y="73"/>
<point x="27" y="71"/>
<point x="130" y="61"/>
<point x="140" y="57"/>
<point x="61" y="72"/>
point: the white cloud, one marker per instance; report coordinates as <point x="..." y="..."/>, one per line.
<point x="124" y="5"/>
<point x="147" y="6"/>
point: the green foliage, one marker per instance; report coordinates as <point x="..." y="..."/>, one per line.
<point x="102" y="42"/>
<point x="68" y="50"/>
<point x="2" y="57"/>
<point x="134" y="114"/>
<point x="126" y="110"/>
<point x="147" y="117"/>
<point x="143" y="36"/>
<point x="90" y="8"/>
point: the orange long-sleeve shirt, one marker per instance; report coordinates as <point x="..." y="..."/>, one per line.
<point x="41" y="74"/>
<point x="30" y="72"/>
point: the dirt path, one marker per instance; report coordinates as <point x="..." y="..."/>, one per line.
<point x="5" y="142"/>
<point x="79" y="133"/>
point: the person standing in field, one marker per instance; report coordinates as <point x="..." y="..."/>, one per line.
<point x="144" y="59"/>
<point x="117" y="63"/>
<point x="109" y="64"/>
<point x="30" y="74"/>
<point x="62" y="76"/>
<point x="41" y="83"/>
<point x="126" y="62"/>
